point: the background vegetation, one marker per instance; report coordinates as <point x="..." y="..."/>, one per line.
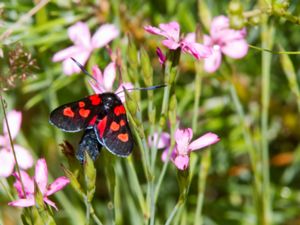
<point x="250" y="177"/>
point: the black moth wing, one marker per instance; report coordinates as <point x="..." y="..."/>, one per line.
<point x="119" y="142"/>
<point x="113" y="131"/>
<point x="90" y="144"/>
<point x="78" y="115"/>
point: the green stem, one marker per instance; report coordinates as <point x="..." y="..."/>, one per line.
<point x="87" y="211"/>
<point x="90" y="212"/>
<point x="252" y="151"/>
<point x="11" y="144"/>
<point x="273" y="11"/>
<point x="152" y="203"/>
<point x="94" y="216"/>
<point x="6" y="190"/>
<point x="203" y="171"/>
<point x="198" y="86"/>
<point x="145" y="160"/>
<point x="165" y="166"/>
<point x="274" y="52"/>
<point x="174" y="211"/>
<point x="135" y="185"/>
<point x="267" y="42"/>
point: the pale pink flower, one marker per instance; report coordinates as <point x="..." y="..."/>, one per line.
<point x="7" y="160"/>
<point x="41" y="179"/>
<point x="184" y="146"/>
<point x="224" y="40"/>
<point x="171" y="33"/>
<point x="163" y="142"/>
<point x="104" y="81"/>
<point x="84" y="45"/>
<point x="180" y="155"/>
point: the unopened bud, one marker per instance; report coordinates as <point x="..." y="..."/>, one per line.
<point x="237" y="22"/>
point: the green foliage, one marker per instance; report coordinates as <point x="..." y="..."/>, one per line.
<point x="253" y="104"/>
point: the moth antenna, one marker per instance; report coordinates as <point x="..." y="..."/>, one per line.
<point x="130" y="89"/>
<point x="144" y="88"/>
<point x="83" y="69"/>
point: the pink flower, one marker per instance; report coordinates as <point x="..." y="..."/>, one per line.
<point x="7" y="160"/>
<point x="180" y="155"/>
<point x="106" y="79"/>
<point x="84" y="45"/>
<point x="41" y="178"/>
<point x="171" y="33"/>
<point x="161" y="57"/>
<point x="224" y="40"/>
<point x="163" y="142"/>
<point x="184" y="146"/>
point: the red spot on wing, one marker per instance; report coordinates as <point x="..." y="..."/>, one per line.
<point x="114" y="126"/>
<point x="123" y="137"/>
<point x="122" y="123"/>
<point x="68" y="112"/>
<point x="118" y="110"/>
<point x="84" y="112"/>
<point x="81" y="104"/>
<point x="95" y="99"/>
<point x="92" y="121"/>
<point x="101" y="126"/>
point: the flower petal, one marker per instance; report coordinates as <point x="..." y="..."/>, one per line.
<point x="14" y="119"/>
<point x="24" y="157"/>
<point x="171" y="30"/>
<point x="79" y="33"/>
<point x="109" y="76"/>
<point x="154" y="30"/>
<point x="7" y="163"/>
<point x="27" y="182"/>
<point x="213" y="62"/>
<point x="120" y="91"/>
<point x="161" y="57"/>
<point x="218" y="23"/>
<point x="197" y="50"/>
<point x="97" y="74"/>
<point x="229" y="35"/>
<point x="57" y="185"/>
<point x="190" y="37"/>
<point x="97" y="85"/>
<point x="236" y="49"/>
<point x="41" y="175"/>
<point x="182" y="139"/>
<point x="22" y="202"/>
<point x="69" y="67"/>
<point x="182" y="162"/>
<point x="164" y="155"/>
<point x="49" y="202"/>
<point x="67" y="53"/>
<point x="208" y="41"/>
<point x="203" y="141"/>
<point x="162" y="142"/>
<point x="105" y="34"/>
<point x="170" y="44"/>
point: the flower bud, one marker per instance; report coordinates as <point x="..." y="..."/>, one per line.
<point x="235" y="7"/>
<point x="255" y="20"/>
<point x="90" y="177"/>
<point x="237" y="22"/>
<point x="146" y="68"/>
<point x="280" y="5"/>
<point x="132" y="53"/>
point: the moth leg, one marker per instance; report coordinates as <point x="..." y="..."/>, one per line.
<point x="90" y="144"/>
